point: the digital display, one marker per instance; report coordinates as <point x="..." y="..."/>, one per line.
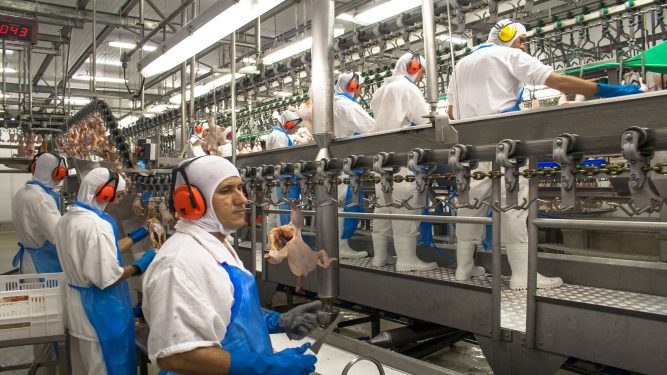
<point x="21" y="29"/>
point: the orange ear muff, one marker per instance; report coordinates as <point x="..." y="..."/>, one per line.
<point x="289" y="125"/>
<point x="105" y="193"/>
<point x="59" y="173"/>
<point x="182" y="199"/>
<point x="198" y="128"/>
<point x="414" y="65"/>
<point x="354" y="83"/>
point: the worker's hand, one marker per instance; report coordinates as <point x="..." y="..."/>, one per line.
<point x="291" y="361"/>
<point x="145" y="260"/>
<point x="299" y="321"/>
<point x="138" y="234"/>
<point x="610" y="91"/>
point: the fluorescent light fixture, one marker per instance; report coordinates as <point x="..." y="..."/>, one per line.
<point x="160" y="108"/>
<point x="125" y="45"/>
<point x="380" y="12"/>
<point x="77" y="101"/>
<point x="206" y="88"/>
<point x="218" y="21"/>
<point x="455" y="39"/>
<point x="282" y="94"/>
<point x="8" y="52"/>
<point x="8" y="70"/>
<point x="294" y="48"/>
<point x="105" y="62"/>
<point x="250" y="69"/>
<point x="99" y="79"/>
<point x="127" y="120"/>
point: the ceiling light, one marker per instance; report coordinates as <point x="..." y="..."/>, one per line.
<point x="380" y="12"/>
<point x="282" y="94"/>
<point x="8" y="70"/>
<point x="294" y="48"/>
<point x="125" y="45"/>
<point x="99" y="79"/>
<point x="219" y="20"/>
<point x="205" y="89"/>
<point x="455" y="39"/>
<point x="160" y="108"/>
<point x="105" y="62"/>
<point x="76" y="101"/>
<point x="8" y="52"/>
<point x="127" y="120"/>
<point x="250" y="69"/>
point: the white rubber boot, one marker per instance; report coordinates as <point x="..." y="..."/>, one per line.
<point x="465" y="261"/>
<point x="517" y="255"/>
<point x="381" y="251"/>
<point x="345" y="251"/>
<point x="406" y="252"/>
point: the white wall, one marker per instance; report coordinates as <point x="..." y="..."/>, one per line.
<point x="10" y="183"/>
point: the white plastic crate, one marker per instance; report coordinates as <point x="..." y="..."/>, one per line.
<point x="32" y="305"/>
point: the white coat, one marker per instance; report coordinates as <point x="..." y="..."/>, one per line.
<point x="188" y="296"/>
<point x="350" y="118"/>
<point x="276" y="139"/>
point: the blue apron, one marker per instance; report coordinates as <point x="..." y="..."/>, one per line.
<point x="248" y="329"/>
<point x="44" y="258"/>
<point x="109" y="311"/>
<point x="517" y="104"/>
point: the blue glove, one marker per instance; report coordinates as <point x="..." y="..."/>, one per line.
<point x="287" y="362"/>
<point x="272" y="319"/>
<point x="145" y="260"/>
<point x="610" y="91"/>
<point x="138" y="234"/>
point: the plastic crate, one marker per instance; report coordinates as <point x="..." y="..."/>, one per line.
<point x="31" y="305"/>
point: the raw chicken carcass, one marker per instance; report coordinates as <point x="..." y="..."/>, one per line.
<point x="286" y="242"/>
<point x="165" y="214"/>
<point x="138" y="207"/>
<point x="156" y="233"/>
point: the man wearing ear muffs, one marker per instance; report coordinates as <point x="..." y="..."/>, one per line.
<point x="35" y="213"/>
<point x="490" y="81"/>
<point x="99" y="309"/>
<point x="280" y="135"/>
<point x="201" y="303"/>
<point x="400" y="104"/>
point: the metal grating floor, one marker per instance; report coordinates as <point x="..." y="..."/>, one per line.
<point x="513" y="308"/>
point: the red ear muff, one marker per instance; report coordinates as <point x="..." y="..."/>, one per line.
<point x="414" y="65"/>
<point x="289" y="125"/>
<point x="198" y="128"/>
<point x="182" y="199"/>
<point x="59" y="173"/>
<point x="105" y="193"/>
<point x="354" y="83"/>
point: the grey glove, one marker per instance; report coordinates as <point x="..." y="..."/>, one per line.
<point x="298" y="322"/>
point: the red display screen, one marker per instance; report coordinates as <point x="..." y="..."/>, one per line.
<point x="18" y="29"/>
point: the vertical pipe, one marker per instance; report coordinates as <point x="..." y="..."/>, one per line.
<point x="253" y="234"/>
<point x="264" y="239"/>
<point x="258" y="38"/>
<point x="29" y="63"/>
<point x="184" y="124"/>
<point x="4" y="80"/>
<point x="193" y="71"/>
<point x="532" y="259"/>
<point x="233" y="95"/>
<point x="94" y="59"/>
<point x="322" y="70"/>
<point x="142" y="33"/>
<point x="428" y="19"/>
<point x="496" y="282"/>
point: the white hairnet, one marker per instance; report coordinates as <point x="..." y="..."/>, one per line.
<point x="44" y="167"/>
<point x="93" y="180"/>
<point x="288" y="116"/>
<point x="493" y="34"/>
<point x="344" y="79"/>
<point x="402" y="65"/>
<point x="206" y="173"/>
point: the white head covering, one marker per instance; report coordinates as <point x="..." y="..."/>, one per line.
<point x="493" y="34"/>
<point x="206" y="173"/>
<point x="402" y="64"/>
<point x="91" y="182"/>
<point x="204" y="126"/>
<point x="288" y="116"/>
<point x="344" y="79"/>
<point x="44" y="167"/>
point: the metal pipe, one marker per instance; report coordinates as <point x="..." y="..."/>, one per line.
<point x="428" y="25"/>
<point x="496" y="257"/>
<point x="233" y="95"/>
<point x="193" y="72"/>
<point x="29" y="79"/>
<point x="426" y="218"/>
<point x="322" y="71"/>
<point x="142" y="32"/>
<point x="626" y="226"/>
<point x="264" y="239"/>
<point x="282" y="212"/>
<point x="531" y="307"/>
<point x="258" y="38"/>
<point x="253" y="235"/>
<point x="94" y="57"/>
<point x="4" y="80"/>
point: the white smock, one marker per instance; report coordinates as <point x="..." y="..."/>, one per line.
<point x="188" y="296"/>
<point x="487" y="82"/>
<point x="349" y="116"/>
<point x="35" y="216"/>
<point x="87" y="251"/>
<point x="398" y="104"/>
<point x="276" y="139"/>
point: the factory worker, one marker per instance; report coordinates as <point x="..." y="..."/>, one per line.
<point x="349" y="119"/>
<point x="400" y="104"/>
<point x="200" y="132"/>
<point x="201" y="303"/>
<point x="99" y="310"/>
<point x="488" y="81"/>
<point x="35" y="213"/>
<point x="280" y="135"/>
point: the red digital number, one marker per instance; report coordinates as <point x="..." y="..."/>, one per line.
<point x="4" y="29"/>
<point x="24" y="32"/>
<point x="14" y="29"/>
